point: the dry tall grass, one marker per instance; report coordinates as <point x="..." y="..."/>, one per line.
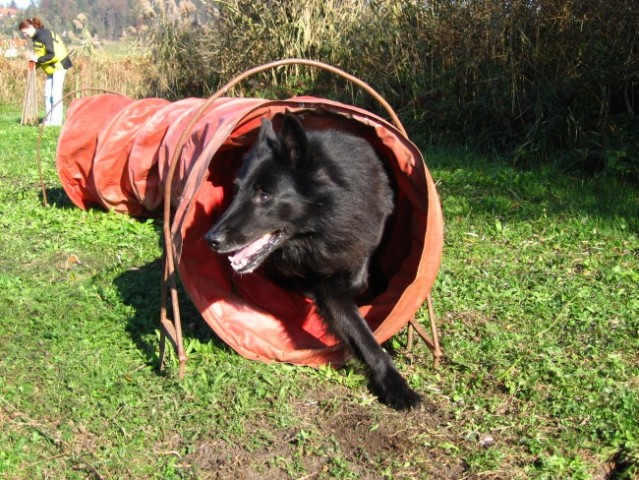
<point x="13" y="81"/>
<point x="129" y="76"/>
<point x="529" y="78"/>
<point x="524" y="77"/>
<point x="199" y="48"/>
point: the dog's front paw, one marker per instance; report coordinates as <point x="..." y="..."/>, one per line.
<point x="395" y="392"/>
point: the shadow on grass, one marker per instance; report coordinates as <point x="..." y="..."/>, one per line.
<point x="58" y="197"/>
<point x="140" y="288"/>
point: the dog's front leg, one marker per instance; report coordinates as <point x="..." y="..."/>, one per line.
<point x="340" y="313"/>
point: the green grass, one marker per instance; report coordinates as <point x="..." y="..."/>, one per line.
<point x="538" y="305"/>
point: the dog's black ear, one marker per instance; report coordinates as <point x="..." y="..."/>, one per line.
<point x="267" y="135"/>
<point x="293" y="141"/>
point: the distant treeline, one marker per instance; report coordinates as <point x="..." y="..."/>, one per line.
<point x="106" y="18"/>
<point x="531" y="78"/>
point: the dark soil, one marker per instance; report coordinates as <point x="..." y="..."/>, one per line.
<point x="366" y="440"/>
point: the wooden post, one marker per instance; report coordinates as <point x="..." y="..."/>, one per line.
<point x="30" y="106"/>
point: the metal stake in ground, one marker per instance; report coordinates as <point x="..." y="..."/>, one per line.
<point x="30" y="106"/>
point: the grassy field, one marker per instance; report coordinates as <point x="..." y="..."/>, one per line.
<point x="539" y="316"/>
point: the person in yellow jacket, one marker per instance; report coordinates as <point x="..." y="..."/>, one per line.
<point x="50" y="54"/>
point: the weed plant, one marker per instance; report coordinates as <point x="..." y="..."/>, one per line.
<point x="526" y="78"/>
<point x="538" y="312"/>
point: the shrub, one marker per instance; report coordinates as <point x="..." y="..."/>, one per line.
<point x="523" y="78"/>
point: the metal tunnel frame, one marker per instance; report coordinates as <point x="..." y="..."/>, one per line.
<point x="172" y="329"/>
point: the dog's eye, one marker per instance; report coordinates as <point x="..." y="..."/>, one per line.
<point x="261" y="196"/>
<point x="264" y="197"/>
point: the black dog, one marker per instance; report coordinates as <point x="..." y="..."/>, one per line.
<point x="310" y="207"/>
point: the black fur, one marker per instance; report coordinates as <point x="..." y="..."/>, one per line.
<point x="310" y="209"/>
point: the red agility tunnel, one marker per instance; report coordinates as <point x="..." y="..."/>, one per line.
<point x="114" y="152"/>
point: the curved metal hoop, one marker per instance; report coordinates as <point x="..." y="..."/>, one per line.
<point x="175" y="329"/>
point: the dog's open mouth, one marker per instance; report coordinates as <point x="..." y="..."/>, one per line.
<point x="251" y="256"/>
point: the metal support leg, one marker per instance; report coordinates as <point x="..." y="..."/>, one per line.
<point x="421" y="331"/>
<point x="171" y="330"/>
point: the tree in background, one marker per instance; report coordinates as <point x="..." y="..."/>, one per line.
<point x="108" y="18"/>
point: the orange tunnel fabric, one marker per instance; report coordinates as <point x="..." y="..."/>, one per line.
<point x="115" y="152"/>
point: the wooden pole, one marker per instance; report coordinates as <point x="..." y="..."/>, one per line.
<point x="30" y="106"/>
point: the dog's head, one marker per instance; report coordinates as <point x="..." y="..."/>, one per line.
<point x="269" y="205"/>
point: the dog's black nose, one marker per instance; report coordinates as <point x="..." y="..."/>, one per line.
<point x="214" y="239"/>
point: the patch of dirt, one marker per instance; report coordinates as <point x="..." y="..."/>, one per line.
<point x="374" y="436"/>
<point x="614" y="469"/>
<point x="218" y="456"/>
<point x="83" y="439"/>
<point x="333" y="433"/>
<point x="224" y="460"/>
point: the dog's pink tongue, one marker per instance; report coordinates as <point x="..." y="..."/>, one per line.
<point x="241" y="257"/>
